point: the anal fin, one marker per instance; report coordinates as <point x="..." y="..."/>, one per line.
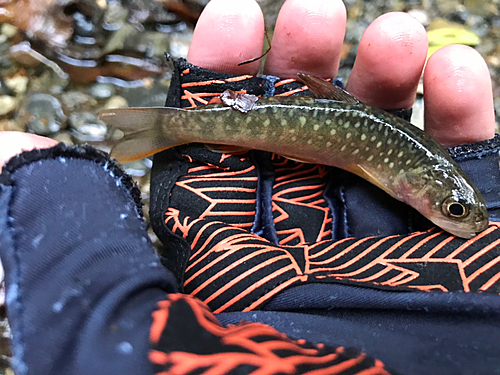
<point x="226" y="149"/>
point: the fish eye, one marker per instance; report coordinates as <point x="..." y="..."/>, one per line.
<point x="455" y="208"/>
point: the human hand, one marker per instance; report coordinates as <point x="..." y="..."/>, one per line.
<point x="13" y="143"/>
<point x="308" y="39"/>
<point x="195" y="194"/>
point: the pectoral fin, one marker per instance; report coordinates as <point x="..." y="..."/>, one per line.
<point x="368" y="176"/>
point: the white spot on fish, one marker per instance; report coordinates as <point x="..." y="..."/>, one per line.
<point x="123" y="216"/>
<point x="309" y="141"/>
<point x="294" y="138"/>
<point x="302" y="120"/>
<point x="401" y="153"/>
<point x="389" y="141"/>
<point x="408" y="162"/>
<point x="390" y="151"/>
<point x="348" y="135"/>
<point x="379" y="144"/>
<point x="328" y="144"/>
<point x="248" y="120"/>
<point x="275" y="110"/>
<point x="357" y="125"/>
<point x="363" y="137"/>
<point x="386" y="160"/>
<point x="316" y="127"/>
<point x="283" y="122"/>
<point x="373" y="138"/>
<point x="391" y="165"/>
<point x="328" y="122"/>
<point x="266" y="122"/>
<point x="343" y="148"/>
<point x="292" y="131"/>
<point x="355" y="151"/>
<point x="367" y="149"/>
<point x="369" y="158"/>
<point x="401" y="171"/>
<point x="347" y="124"/>
<point x="333" y="132"/>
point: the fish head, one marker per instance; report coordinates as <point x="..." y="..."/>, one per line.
<point x="445" y="195"/>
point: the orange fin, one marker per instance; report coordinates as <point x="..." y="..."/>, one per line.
<point x="325" y="90"/>
<point x="368" y="176"/>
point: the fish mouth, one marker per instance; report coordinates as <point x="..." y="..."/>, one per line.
<point x="460" y="229"/>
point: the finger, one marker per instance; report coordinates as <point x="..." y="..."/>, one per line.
<point x="389" y="63"/>
<point x="307" y="38"/>
<point x="458" y="97"/>
<point x="13" y="143"/>
<point x="228" y="32"/>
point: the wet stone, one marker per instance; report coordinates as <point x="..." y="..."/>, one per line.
<point x="5" y="89"/>
<point x="7" y="104"/>
<point x="102" y="91"/>
<point x="76" y="101"/>
<point x="18" y="84"/>
<point x="86" y="127"/>
<point x="45" y="114"/>
<point x="138" y="168"/>
<point x="83" y="26"/>
<point x="5" y="61"/>
<point x="63" y="137"/>
<point x="116" y="102"/>
<point x="115" y="16"/>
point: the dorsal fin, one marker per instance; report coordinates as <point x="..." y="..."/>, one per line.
<point x="325" y="90"/>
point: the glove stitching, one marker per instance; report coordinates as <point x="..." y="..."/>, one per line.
<point x="475" y="150"/>
<point x="345" y="217"/>
<point x="264" y="222"/>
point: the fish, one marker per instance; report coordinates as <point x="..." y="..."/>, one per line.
<point x="334" y="129"/>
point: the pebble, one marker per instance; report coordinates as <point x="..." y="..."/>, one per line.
<point x="86" y="127"/>
<point x="18" y="84"/>
<point x="420" y="15"/>
<point x="64" y="137"/>
<point x="116" y="102"/>
<point x="45" y="114"/>
<point x="76" y="100"/>
<point x="102" y="90"/>
<point x="8" y="30"/>
<point x="7" y="104"/>
<point x="138" y="168"/>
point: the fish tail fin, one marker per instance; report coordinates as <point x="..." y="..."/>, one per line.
<point x="138" y="131"/>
